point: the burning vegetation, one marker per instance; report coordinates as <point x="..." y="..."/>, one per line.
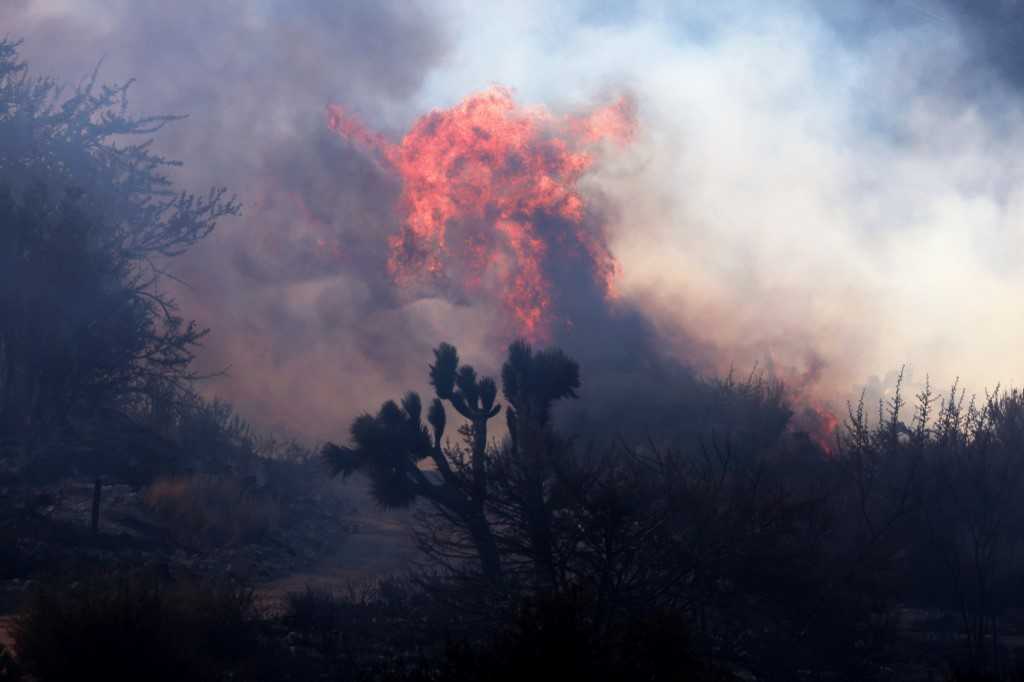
<point x="491" y="211"/>
<point x="694" y="528"/>
<point x="490" y="202"/>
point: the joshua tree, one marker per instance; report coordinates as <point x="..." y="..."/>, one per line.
<point x="390" y="445"/>
<point x="532" y="382"/>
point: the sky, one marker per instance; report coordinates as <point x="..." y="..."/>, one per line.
<point x="830" y="190"/>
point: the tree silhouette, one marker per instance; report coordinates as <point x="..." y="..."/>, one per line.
<point x="390" y="445"/>
<point x="89" y="220"/>
<point x="531" y="383"/>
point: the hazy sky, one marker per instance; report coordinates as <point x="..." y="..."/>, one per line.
<point x="826" y="186"/>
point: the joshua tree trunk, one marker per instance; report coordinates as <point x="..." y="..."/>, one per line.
<point x="530" y="452"/>
<point x="486" y="546"/>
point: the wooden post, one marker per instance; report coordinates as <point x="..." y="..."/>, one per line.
<point x="96" y="491"/>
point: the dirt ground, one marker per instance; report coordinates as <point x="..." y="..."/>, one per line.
<point x="381" y="545"/>
<point x="363" y="545"/>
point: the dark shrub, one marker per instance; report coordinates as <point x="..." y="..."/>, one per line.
<point x="560" y="637"/>
<point x="134" y="628"/>
<point x="316" y="614"/>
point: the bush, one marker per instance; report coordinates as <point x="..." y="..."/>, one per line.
<point x="88" y="210"/>
<point x="560" y="637"/>
<point x="134" y="628"/>
<point x="212" y="510"/>
<point x="316" y="614"/>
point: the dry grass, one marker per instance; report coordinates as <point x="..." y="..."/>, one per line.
<point x="212" y="510"/>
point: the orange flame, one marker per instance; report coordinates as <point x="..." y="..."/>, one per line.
<point x="477" y="180"/>
<point x="816" y="421"/>
<point x="825" y="432"/>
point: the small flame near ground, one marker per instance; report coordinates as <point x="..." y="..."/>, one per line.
<point x="811" y="416"/>
<point x="480" y="181"/>
<point x="817" y="421"/>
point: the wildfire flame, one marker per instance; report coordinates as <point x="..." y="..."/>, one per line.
<point x="491" y="207"/>
<point x="812" y="416"/>
<point x="478" y="182"/>
<point x="818" y="422"/>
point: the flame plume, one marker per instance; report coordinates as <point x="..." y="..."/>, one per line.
<point x="478" y="181"/>
<point x="491" y="210"/>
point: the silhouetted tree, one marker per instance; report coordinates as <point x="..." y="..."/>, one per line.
<point x="88" y="219"/>
<point x="931" y="516"/>
<point x="972" y="520"/>
<point x="532" y="381"/>
<point x="390" y="445"/>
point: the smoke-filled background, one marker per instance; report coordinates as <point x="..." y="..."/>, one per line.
<point x="826" y="190"/>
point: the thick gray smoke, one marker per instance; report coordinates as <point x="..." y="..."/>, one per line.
<point x="296" y="291"/>
<point x="826" y="190"/>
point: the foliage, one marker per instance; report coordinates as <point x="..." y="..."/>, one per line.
<point x="754" y="411"/>
<point x="559" y="637"/>
<point x="622" y="558"/>
<point x="212" y="437"/>
<point x="90" y="218"/>
<point x="391" y="445"/>
<point x="318" y="614"/>
<point x="942" y="493"/>
<point x="133" y="627"/>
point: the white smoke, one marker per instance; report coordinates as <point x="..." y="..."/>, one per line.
<point x="830" y="192"/>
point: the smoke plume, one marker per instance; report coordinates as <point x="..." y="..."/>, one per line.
<point x="823" y="190"/>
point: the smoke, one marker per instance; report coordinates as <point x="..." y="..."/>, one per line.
<point x="490" y="206"/>
<point x="818" y="194"/>
<point x="824" y="190"/>
<point x="296" y="291"/>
